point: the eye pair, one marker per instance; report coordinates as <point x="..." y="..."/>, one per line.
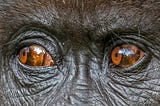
<point x="123" y="56"/>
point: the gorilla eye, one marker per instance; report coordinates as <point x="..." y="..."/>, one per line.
<point x="35" y="55"/>
<point x="126" y="55"/>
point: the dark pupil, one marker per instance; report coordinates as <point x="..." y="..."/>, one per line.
<point x="24" y="53"/>
<point x="116" y="54"/>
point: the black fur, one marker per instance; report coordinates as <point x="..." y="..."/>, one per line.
<point x="79" y="35"/>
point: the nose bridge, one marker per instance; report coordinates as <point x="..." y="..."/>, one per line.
<point x="83" y="90"/>
<point x="81" y="82"/>
<point x="82" y="73"/>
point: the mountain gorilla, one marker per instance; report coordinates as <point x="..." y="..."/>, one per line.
<point x="80" y="52"/>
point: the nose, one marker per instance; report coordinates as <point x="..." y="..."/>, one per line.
<point x="82" y="87"/>
<point x="82" y="77"/>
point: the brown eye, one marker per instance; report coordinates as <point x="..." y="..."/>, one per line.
<point x="35" y="55"/>
<point x="126" y="55"/>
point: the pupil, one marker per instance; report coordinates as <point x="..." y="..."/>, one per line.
<point x="116" y="54"/>
<point x="24" y="53"/>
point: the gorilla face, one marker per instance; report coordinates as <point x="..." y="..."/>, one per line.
<point x="86" y="53"/>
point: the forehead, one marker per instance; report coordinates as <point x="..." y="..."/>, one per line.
<point x="91" y="15"/>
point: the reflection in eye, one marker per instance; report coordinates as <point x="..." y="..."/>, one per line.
<point x="35" y="55"/>
<point x="126" y="55"/>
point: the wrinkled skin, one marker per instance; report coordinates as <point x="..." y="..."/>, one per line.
<point x="79" y="35"/>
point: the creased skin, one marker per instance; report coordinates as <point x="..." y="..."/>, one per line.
<point x="79" y="35"/>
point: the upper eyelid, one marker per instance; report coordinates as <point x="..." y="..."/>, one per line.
<point x="29" y="30"/>
<point x="129" y="37"/>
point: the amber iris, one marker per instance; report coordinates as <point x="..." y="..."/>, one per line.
<point x="126" y="55"/>
<point x="35" y="55"/>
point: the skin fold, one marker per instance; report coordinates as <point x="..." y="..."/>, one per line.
<point x="79" y="35"/>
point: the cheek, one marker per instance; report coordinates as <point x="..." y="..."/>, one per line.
<point x="137" y="89"/>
